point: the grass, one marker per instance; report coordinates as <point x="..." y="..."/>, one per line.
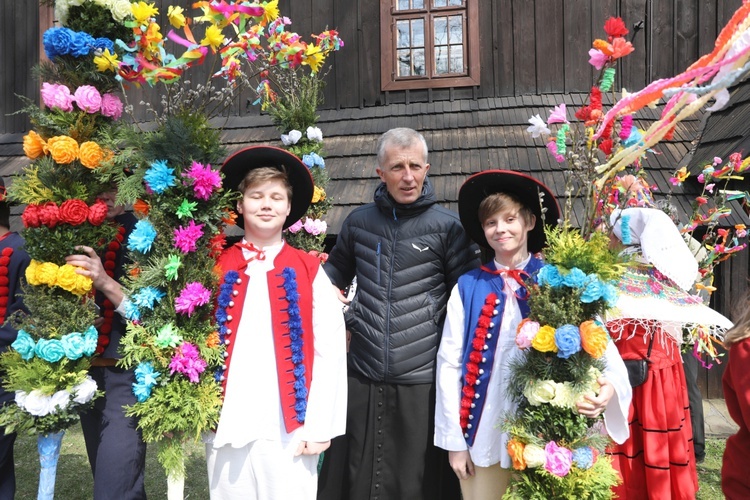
<point x="74" y="475"/>
<point x="74" y="480"/>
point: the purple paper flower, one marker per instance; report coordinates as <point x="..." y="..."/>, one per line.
<point x="205" y="180"/>
<point x="57" y="96"/>
<point x="187" y="361"/>
<point x="296" y="227"/>
<point x="192" y="296"/>
<point x="559" y="459"/>
<point x="186" y="237"/>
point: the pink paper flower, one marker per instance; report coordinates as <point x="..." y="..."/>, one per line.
<point x="57" y="96"/>
<point x="527" y="330"/>
<point x="552" y="147"/>
<point x="193" y="295"/>
<point x="111" y="106"/>
<point x="315" y="226"/>
<point x="296" y="227"/>
<point x="88" y="98"/>
<point x="185" y="238"/>
<point x="597" y="58"/>
<point x="187" y="361"/>
<point x="558" y="115"/>
<point x="559" y="459"/>
<point x="205" y="180"/>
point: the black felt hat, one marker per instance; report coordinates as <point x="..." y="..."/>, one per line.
<point x="240" y="163"/>
<point x="526" y="189"/>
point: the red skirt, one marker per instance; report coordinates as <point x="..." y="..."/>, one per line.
<point x="658" y="460"/>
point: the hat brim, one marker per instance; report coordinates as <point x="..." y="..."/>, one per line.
<point x="525" y="188"/>
<point x="243" y="161"/>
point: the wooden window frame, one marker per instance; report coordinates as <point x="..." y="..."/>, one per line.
<point x="388" y="41"/>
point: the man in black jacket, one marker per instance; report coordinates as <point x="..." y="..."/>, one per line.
<point x="406" y="252"/>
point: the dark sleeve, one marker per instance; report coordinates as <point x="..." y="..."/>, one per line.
<point x="19" y="261"/>
<point x="462" y="256"/>
<point x="340" y="266"/>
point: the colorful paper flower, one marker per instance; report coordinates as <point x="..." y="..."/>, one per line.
<point x="538" y="127"/>
<point x="515" y="451"/>
<point x="187" y="361"/>
<point x="172" y="267"/>
<point x="559" y="459"/>
<point x="88" y="98"/>
<point x="185" y="238"/>
<point x="167" y="336"/>
<point x="186" y="209"/>
<point x="567" y="340"/>
<point x="192" y="296"/>
<point x="544" y="340"/>
<point x="57" y="96"/>
<point x="205" y="180"/>
<point x="159" y="177"/>
<point x="142" y="237"/>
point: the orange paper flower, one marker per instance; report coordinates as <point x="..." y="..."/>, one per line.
<point x="91" y="155"/>
<point x="594" y="338"/>
<point x="515" y="450"/>
<point x="212" y="340"/>
<point x="141" y="207"/>
<point x="63" y="149"/>
<point x="33" y="145"/>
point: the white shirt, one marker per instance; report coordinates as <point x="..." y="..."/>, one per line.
<point x="252" y="404"/>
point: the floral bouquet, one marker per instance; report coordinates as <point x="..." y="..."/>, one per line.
<point x="71" y="152"/>
<point x="556" y="451"/>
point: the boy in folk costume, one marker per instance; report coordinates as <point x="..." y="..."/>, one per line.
<point x="285" y="378"/>
<point x="501" y="211"/>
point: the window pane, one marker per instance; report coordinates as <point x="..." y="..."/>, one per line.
<point x="403" y="5"/>
<point x="456" y="29"/>
<point x="417" y="34"/>
<point x="439" y="3"/>
<point x="454" y="3"/>
<point x="418" y="68"/>
<point x="417" y="4"/>
<point x="457" y="59"/>
<point x="441" y="30"/>
<point x="441" y="60"/>
<point x="404" y="62"/>
<point x="404" y="35"/>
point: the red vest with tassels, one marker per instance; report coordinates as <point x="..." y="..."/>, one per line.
<point x="306" y="267"/>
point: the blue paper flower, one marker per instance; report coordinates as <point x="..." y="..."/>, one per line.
<point x="575" y="278"/>
<point x="49" y="350"/>
<point x="24" y="345"/>
<point x="583" y="457"/>
<point x="567" y="340"/>
<point x="146" y="378"/>
<point x="549" y="275"/>
<point x="625" y="235"/>
<point x="90" y="339"/>
<point x="102" y="43"/>
<point x="73" y="344"/>
<point x="592" y="290"/>
<point x="147" y="297"/>
<point x="57" y="41"/>
<point x="142" y="237"/>
<point x="82" y="44"/>
<point x="609" y="294"/>
<point x="159" y="177"/>
<point x="313" y="159"/>
<point x="132" y="312"/>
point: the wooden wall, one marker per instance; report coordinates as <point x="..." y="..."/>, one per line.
<point x="527" y="47"/>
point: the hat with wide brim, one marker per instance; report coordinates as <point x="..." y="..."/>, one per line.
<point x="243" y="161"/>
<point x="526" y="189"/>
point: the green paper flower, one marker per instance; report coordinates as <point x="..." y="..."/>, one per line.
<point x="173" y="264"/>
<point x="186" y="209"/>
<point x="168" y="336"/>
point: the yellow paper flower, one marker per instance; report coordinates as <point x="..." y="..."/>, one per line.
<point x="271" y="11"/>
<point x="32" y="273"/>
<point x="63" y="149"/>
<point x="594" y="338"/>
<point x="213" y="38"/>
<point x="33" y="145"/>
<point x="143" y="11"/>
<point x="314" y="57"/>
<point x="90" y="154"/>
<point x="106" y="62"/>
<point x="176" y="16"/>
<point x="682" y="174"/>
<point x="66" y="277"/>
<point x="46" y="273"/>
<point x="515" y="450"/>
<point x="544" y="340"/>
<point x="83" y="285"/>
<point x="318" y="195"/>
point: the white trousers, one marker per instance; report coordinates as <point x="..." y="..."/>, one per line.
<point x="261" y="470"/>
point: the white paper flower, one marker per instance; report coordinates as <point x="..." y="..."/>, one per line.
<point x="540" y="392"/>
<point x="84" y="391"/>
<point x="120" y="9"/>
<point x="37" y="403"/>
<point x="534" y="456"/>
<point x="59" y="401"/>
<point x="538" y="127"/>
<point x="291" y="138"/>
<point x="20" y="399"/>
<point x="314" y="134"/>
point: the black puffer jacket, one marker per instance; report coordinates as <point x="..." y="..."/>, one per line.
<point x="407" y="259"/>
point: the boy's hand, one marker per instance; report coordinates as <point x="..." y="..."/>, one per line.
<point x="461" y="463"/>
<point x="311" y="448"/>
<point x="593" y="406"/>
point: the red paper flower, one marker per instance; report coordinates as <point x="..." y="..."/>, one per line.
<point x="30" y="216"/>
<point x="615" y="27"/>
<point x="98" y="213"/>
<point x="74" y="212"/>
<point x="49" y="214"/>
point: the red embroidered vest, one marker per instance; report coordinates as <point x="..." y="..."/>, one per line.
<point x="306" y="268"/>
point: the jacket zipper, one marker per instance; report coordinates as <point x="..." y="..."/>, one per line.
<point x="388" y="299"/>
<point x="377" y="253"/>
